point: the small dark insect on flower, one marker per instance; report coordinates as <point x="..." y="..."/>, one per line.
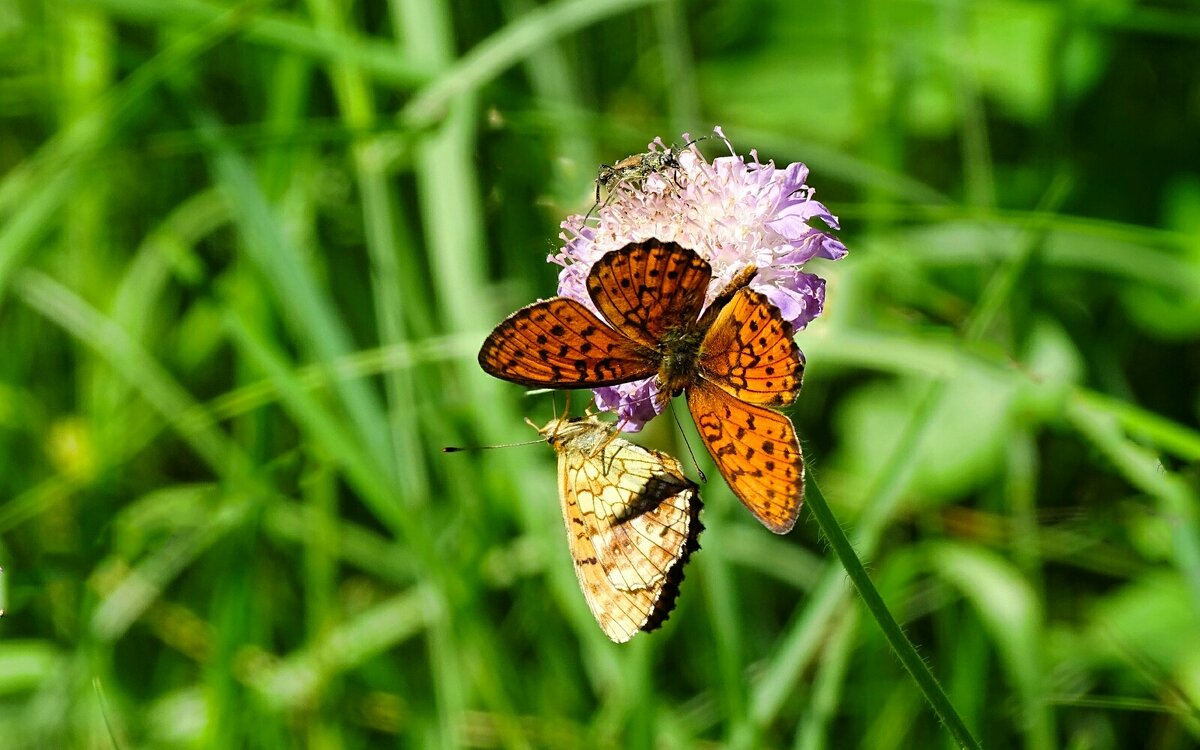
<point x="634" y="170"/>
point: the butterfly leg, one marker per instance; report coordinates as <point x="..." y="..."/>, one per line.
<point x="612" y="436"/>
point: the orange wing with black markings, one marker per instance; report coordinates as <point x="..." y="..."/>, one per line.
<point x="756" y="451"/>
<point x="561" y="344"/>
<point x="648" y="289"/>
<point x="750" y="353"/>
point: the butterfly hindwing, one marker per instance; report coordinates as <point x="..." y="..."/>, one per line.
<point x="756" y="450"/>
<point x="559" y="343"/>
<point x="632" y="522"/>
<point x="647" y="289"/>
<point x="644" y="515"/>
<point x="750" y="353"/>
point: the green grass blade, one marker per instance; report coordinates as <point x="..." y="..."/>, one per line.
<point x="901" y="646"/>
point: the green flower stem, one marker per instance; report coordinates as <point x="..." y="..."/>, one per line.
<point x="900" y="644"/>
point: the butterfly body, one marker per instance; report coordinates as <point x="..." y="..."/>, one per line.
<point x="632" y="519"/>
<point x="732" y="360"/>
<point x="679" y="355"/>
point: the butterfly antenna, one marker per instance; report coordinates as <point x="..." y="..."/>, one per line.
<point x="465" y="448"/>
<point x="528" y="421"/>
<point x="563" y="418"/>
<point x="675" y="416"/>
<point x="554" y="406"/>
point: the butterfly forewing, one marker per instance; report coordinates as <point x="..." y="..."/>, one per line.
<point x="649" y="289"/>
<point x="750" y="353"/>
<point x="757" y="452"/>
<point x="560" y="343"/>
<point x="632" y="521"/>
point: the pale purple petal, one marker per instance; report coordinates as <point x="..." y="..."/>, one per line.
<point x="802" y="210"/>
<point x="815" y="245"/>
<point x="571" y="282"/>
<point x="636" y="403"/>
<point x="831" y="247"/>
<point x="794" y="177"/>
<point x="799" y="296"/>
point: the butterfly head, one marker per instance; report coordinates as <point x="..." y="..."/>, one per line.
<point x="566" y="430"/>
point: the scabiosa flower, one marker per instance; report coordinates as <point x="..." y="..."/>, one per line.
<point x="733" y="213"/>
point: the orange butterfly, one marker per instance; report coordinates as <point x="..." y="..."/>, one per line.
<point x="632" y="520"/>
<point x="734" y="360"/>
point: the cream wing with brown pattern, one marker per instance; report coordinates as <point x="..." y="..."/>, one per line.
<point x="632" y="522"/>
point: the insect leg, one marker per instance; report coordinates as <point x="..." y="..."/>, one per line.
<point x="600" y="177"/>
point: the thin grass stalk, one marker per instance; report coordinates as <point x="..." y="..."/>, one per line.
<point x="901" y="646"/>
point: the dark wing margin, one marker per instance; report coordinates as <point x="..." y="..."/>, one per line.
<point x="646" y="289"/>
<point x="669" y="593"/>
<point x="559" y="343"/>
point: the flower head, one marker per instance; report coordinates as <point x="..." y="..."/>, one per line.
<point x="733" y="213"/>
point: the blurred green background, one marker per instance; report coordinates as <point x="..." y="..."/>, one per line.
<point x="248" y="252"/>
